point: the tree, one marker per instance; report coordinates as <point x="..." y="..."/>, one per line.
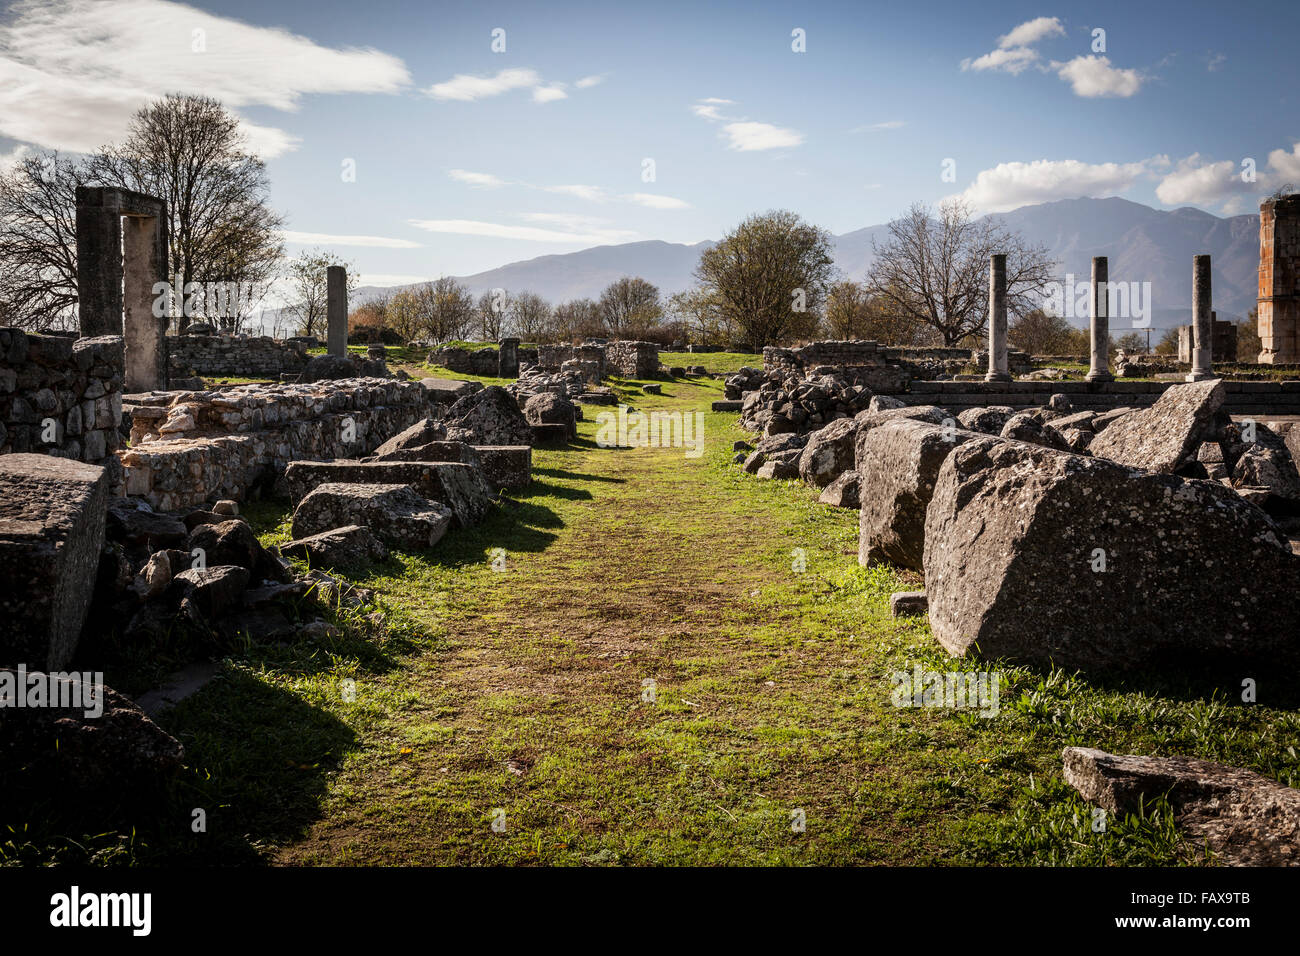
<point x="492" y="309"/>
<point x="1168" y="344"/>
<point x="444" y="308"/>
<point x="1040" y="333"/>
<point x="575" y="320"/>
<point x="936" y="270"/>
<point x="38" y="242"/>
<point x="1248" y="343"/>
<point x="530" y="315"/>
<point x="629" y="306"/>
<point x="848" y="308"/>
<point x="190" y="152"/>
<point x="697" y="311"/>
<point x="306" y="278"/>
<point x="768" y="277"/>
<point x="1131" y="342"/>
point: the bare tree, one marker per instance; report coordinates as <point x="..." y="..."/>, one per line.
<point x="530" y="315"/>
<point x="628" y="306"/>
<point x="38" y="242"/>
<point x="445" y="308"/>
<point x="492" y="309"/>
<point x="1040" y="333"/>
<point x="189" y="151"/>
<point x="936" y="270"/>
<point x="769" y="276"/>
<point x="306" y="277"/>
<point x="574" y="320"/>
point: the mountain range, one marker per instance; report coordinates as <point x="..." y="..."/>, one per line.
<point x="1143" y="245"/>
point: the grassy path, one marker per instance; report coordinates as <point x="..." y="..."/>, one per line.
<point x="666" y="662"/>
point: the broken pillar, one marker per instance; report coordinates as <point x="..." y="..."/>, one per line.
<point x="53" y="512"/>
<point x="1099" y="370"/>
<point x="336" y="310"/>
<point x="508" y="358"/>
<point x="1279" y="280"/>
<point x="121" y="261"/>
<point x="998" y="320"/>
<point x="1202" y="321"/>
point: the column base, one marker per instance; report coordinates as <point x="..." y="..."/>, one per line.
<point x="998" y="377"/>
<point x="1198" y="376"/>
<point x="1100" y="377"/>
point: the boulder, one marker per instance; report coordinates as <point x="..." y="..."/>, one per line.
<point x="421" y="433"/>
<point x="843" y="492"/>
<point x="488" y="417"/>
<point x="229" y="542"/>
<point x="907" y="603"/>
<point x="1266" y="462"/>
<point x="1244" y="818"/>
<point x="433" y="451"/>
<point x="59" y="752"/>
<point x="505" y="466"/>
<point x="990" y="421"/>
<point x="829" y="452"/>
<point x="547" y="408"/>
<point x="1167" y="435"/>
<point x="212" y="591"/>
<point x="133" y="523"/>
<point x="351" y="547"/>
<point x="1047" y="558"/>
<point x="335" y="367"/>
<point x="1025" y="427"/>
<point x="53" y="513"/>
<point x="898" y="463"/>
<point x="460" y="487"/>
<point x="445" y="391"/>
<point x="393" y="513"/>
<point x="883" y="403"/>
<point x="779" y="467"/>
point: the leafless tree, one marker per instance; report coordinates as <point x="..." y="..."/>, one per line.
<point x="935" y="270"/>
<point x="493" y="308"/>
<point x="575" y="320"/>
<point x="445" y="308"/>
<point x="307" y="289"/>
<point x="530" y="315"/>
<point x="628" y="306"/>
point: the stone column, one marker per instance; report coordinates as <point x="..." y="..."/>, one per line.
<point x="99" y="264"/>
<point x="1100" y="322"/>
<point x="144" y="328"/>
<point x="508" y="358"/>
<point x="998" y="319"/>
<point x="336" y="310"/>
<point x="1202" y="321"/>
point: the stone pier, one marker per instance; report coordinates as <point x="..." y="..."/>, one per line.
<point x="336" y="310"/>
<point x="121" y="256"/>
<point x="508" y="358"/>
<point x="998" y="319"/>
<point x="1202" y="321"/>
<point x="1100" y="322"/>
<point x="1279" y="280"/>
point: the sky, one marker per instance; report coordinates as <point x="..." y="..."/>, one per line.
<point x="447" y="138"/>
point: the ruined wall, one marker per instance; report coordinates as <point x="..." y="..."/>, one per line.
<point x="1244" y="398"/>
<point x="846" y="353"/>
<point x="1223" y="348"/>
<point x="633" y="359"/>
<point x="237" y="356"/>
<point x="484" y="361"/>
<point x="188" y="448"/>
<point x="1279" y="280"/>
<point x="550" y="358"/>
<point x="60" y="396"/>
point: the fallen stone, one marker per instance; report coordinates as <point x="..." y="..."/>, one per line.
<point x="547" y="408"/>
<point x="53" y="513"/>
<point x="989" y="421"/>
<point x="781" y="469"/>
<point x="505" y="466"/>
<point x="1027" y="428"/>
<point x="829" y="452"/>
<point x="843" y="492"/>
<point x="725" y="405"/>
<point x="213" y="591"/>
<point x="394" y="513"/>
<point x="550" y="435"/>
<point x="230" y="542"/>
<point x="652" y="388"/>
<point x="883" y="403"/>
<point x="460" y="487"/>
<point x="226" y="507"/>
<point x="421" y="433"/>
<point x="1243" y="817"/>
<point x="488" y="417"/>
<point x="349" y="547"/>
<point x="1166" y="435"/>
<point x="433" y="451"/>
<point x="907" y="603"/>
<point x="1016" y="537"/>
<point x="446" y="391"/>
<point x="1266" y="462"/>
<point x="132" y="522"/>
<point x="899" y="463"/>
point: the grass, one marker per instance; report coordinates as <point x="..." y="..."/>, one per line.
<point x="521" y="695"/>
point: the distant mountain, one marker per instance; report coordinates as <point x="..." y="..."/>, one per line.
<point x="1143" y="245"/>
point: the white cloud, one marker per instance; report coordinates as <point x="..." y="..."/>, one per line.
<point x="326" y="239"/>
<point x="589" y="193"/>
<point x="1092" y="76"/>
<point x="73" y="72"/>
<point x="575" y="223"/>
<point x="1010" y="185"/>
<point x="589" y="81"/>
<point x="472" y="227"/>
<point x="878" y="127"/>
<point x="656" y="201"/>
<point x="15" y="156"/>
<point x="1031" y="31"/>
<point x="753" y="136"/>
<point x="484" y="180"/>
<point x="708" y="109"/>
<point x="466" y="88"/>
<point x="1192" y="181"/>
<point x="1286" y="165"/>
<point x="1216" y="62"/>
<point x="390" y="279"/>
<point x="1013" y="61"/>
<point x="545" y="94"/>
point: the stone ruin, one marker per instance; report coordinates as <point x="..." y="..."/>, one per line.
<point x="236" y="356"/>
<point x="1279" y="280"/>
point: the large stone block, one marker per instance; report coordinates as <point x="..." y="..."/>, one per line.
<point x="1165" y="436"/>
<point x="488" y="417"/>
<point x="395" y="514"/>
<point x="898" y="463"/>
<point x="1052" y="558"/>
<point x="506" y="466"/>
<point x="52" y="517"/>
<point x="460" y="487"/>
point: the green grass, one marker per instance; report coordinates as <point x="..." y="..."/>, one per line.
<point x="521" y="690"/>
<point x="721" y="363"/>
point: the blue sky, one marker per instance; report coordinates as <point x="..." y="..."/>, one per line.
<point x="466" y="158"/>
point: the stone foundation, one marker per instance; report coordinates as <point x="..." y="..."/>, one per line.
<point x="633" y="359"/>
<point x="236" y="356"/>
<point x="1244" y="398"/>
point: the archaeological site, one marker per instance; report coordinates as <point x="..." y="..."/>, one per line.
<point x="375" y="507"/>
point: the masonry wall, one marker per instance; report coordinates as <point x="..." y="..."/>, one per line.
<point x="189" y="448"/>
<point x="484" y="361"/>
<point x="551" y="357"/>
<point x="1244" y="398"/>
<point x="61" y="396"/>
<point x="240" y="356"/>
<point x="633" y="359"/>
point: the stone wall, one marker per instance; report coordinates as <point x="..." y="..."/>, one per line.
<point x="484" y="361"/>
<point x="1279" y="280"/>
<point x="240" y="356"/>
<point x="188" y="448"/>
<point x="633" y="359"/>
<point x="1244" y="398"/>
<point x="550" y="358"/>
<point x="846" y="353"/>
<point x="1223" y="348"/>
<point x="61" y="396"/>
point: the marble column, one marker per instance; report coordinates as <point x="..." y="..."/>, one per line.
<point x="1202" y="321"/>
<point x="1100" y="322"/>
<point x="998" y="319"/>
<point x="336" y="310"/>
